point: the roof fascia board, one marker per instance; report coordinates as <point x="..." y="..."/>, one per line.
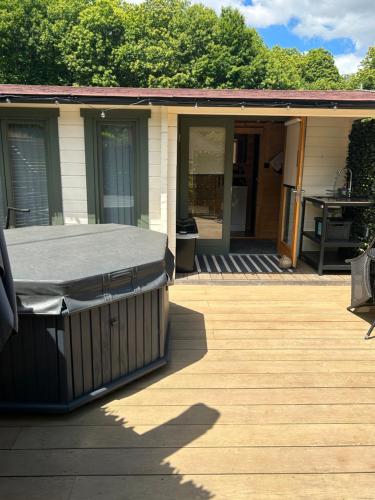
<point x="200" y="102"/>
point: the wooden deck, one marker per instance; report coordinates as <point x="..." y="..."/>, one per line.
<point x="270" y="393"/>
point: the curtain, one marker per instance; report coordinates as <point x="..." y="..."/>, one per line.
<point x="117" y="171"/>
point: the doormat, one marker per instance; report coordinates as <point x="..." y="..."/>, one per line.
<point x="239" y="263"/>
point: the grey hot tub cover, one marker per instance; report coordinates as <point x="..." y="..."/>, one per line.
<point x="8" y="308"/>
<point x="64" y="269"/>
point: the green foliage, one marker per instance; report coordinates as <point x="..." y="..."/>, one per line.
<point x="90" y="49"/>
<point x="361" y="160"/>
<point x="22" y="57"/>
<point x="283" y="69"/>
<point x="290" y="69"/>
<point x="158" y="43"/>
<point x="365" y="76"/>
<point x="318" y="70"/>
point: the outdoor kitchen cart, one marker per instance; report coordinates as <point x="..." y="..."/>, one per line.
<point x="330" y="236"/>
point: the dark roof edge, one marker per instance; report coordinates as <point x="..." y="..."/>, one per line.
<point x="188" y="101"/>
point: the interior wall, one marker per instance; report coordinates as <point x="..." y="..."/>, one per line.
<point x="269" y="182"/>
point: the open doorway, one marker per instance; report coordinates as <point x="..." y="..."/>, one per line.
<point x="234" y="181"/>
<point x="256" y="186"/>
<point x="244" y="184"/>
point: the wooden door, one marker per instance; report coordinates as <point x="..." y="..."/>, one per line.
<point x="292" y="189"/>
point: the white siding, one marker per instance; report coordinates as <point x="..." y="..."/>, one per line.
<point x="73" y="167"/>
<point x="154" y="155"/>
<point x="172" y="177"/>
<point x="326" y="150"/>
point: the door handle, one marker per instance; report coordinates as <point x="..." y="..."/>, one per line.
<point x="298" y="193"/>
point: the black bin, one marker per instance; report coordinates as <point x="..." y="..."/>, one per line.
<point x="337" y="229"/>
<point x="186" y="238"/>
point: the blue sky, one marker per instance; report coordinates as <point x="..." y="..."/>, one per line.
<point x="282" y="35"/>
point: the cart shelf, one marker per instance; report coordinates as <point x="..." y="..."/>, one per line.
<point x="325" y="258"/>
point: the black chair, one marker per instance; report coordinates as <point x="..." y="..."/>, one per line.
<point x="363" y="281"/>
<point x="13" y="209"/>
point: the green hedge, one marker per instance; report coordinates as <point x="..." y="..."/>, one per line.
<point x="361" y="160"/>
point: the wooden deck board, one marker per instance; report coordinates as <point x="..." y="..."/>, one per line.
<point x="270" y="393"/>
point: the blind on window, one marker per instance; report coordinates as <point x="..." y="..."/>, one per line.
<point x="117" y="171"/>
<point x="28" y="171"/>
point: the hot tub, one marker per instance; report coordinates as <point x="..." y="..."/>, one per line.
<point x="93" y="313"/>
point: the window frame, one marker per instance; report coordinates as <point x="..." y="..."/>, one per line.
<point x="27" y="116"/>
<point x="138" y="119"/>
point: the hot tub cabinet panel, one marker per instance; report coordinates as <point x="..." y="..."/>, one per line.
<point x="59" y="362"/>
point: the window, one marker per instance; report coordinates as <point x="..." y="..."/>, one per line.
<point x="117" y="166"/>
<point x="29" y="167"/>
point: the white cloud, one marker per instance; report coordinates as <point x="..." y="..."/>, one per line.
<point x="347" y="63"/>
<point x="327" y="19"/>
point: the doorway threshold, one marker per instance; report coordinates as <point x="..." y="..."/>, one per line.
<point x="233" y="263"/>
<point x="209" y="274"/>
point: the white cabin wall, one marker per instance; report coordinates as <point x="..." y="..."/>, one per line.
<point x="326" y="149"/>
<point x="172" y="177"/>
<point x="154" y="168"/>
<point x="163" y="171"/>
<point x="73" y="165"/>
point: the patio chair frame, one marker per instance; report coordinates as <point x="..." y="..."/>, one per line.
<point x="363" y="291"/>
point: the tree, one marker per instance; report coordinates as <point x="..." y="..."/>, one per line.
<point x="163" y="39"/>
<point x="318" y="70"/>
<point x="21" y="55"/>
<point x="30" y="34"/>
<point x="155" y="43"/>
<point x="235" y="58"/>
<point x="283" y="69"/>
<point x="90" y="45"/>
<point x="365" y="76"/>
<point x="172" y="43"/>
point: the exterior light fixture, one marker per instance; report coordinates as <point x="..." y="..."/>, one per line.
<point x="242" y="106"/>
<point x="150" y="102"/>
<point x="56" y="101"/>
<point x="102" y="114"/>
<point x="7" y="100"/>
<point x="196" y="105"/>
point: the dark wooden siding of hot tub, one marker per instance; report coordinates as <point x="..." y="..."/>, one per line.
<point x="55" y="359"/>
<point x="114" y="340"/>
